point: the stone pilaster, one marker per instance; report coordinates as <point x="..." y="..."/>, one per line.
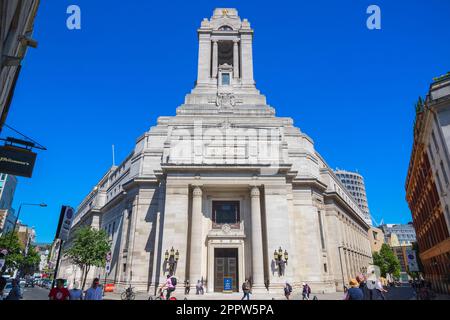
<point x="236" y="59"/>
<point x="247" y="59"/>
<point x="204" y="59"/>
<point x="257" y="245"/>
<point x="196" y="238"/>
<point x="175" y="226"/>
<point x="215" y="58"/>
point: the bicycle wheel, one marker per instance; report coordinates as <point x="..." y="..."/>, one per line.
<point x="123" y="296"/>
<point x="132" y="296"/>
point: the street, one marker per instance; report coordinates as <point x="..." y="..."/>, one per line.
<point x="36" y="293"/>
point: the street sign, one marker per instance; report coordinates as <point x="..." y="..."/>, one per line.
<point x="108" y="266"/>
<point x="17" y="161"/>
<point x="227" y="284"/>
<point x="65" y="222"/>
<point x="413" y="266"/>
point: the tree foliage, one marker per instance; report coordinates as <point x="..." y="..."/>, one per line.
<point x="89" y="248"/>
<point x="14" y="258"/>
<point x="31" y="261"/>
<point x="419" y="105"/>
<point x="387" y="261"/>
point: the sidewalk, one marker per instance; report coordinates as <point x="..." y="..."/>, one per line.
<point x="233" y="296"/>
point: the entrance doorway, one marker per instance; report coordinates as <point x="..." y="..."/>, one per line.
<point x="225" y="266"/>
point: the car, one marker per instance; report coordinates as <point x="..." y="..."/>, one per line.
<point x="29" y="283"/>
<point x="47" y="284"/>
<point x="22" y="283"/>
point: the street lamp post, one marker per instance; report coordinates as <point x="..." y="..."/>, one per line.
<point x="172" y="259"/>
<point x="278" y="258"/>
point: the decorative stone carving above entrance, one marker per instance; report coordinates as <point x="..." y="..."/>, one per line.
<point x="225" y="100"/>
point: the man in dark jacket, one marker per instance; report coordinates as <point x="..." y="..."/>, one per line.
<point x="363" y="286"/>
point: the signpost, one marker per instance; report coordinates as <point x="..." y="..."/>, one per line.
<point x="62" y="233"/>
<point x="227" y="285"/>
<point x="107" y="269"/>
<point x="17" y="161"/>
<point x="413" y="266"/>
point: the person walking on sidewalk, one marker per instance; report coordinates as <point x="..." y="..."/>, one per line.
<point x="59" y="293"/>
<point x="306" y="291"/>
<point x="380" y="289"/>
<point x="354" y="293"/>
<point x="199" y="288"/>
<point x="246" y="289"/>
<point x="15" y="293"/>
<point x="76" y="293"/>
<point x="287" y="290"/>
<point x="95" y="292"/>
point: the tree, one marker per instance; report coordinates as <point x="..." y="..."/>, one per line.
<point x="89" y="248"/>
<point x="14" y="258"/>
<point x="30" y="262"/>
<point x="387" y="261"/>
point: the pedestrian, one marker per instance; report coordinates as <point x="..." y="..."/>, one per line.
<point x="15" y="293"/>
<point x="95" y="292"/>
<point x="199" y="288"/>
<point x="2" y="285"/>
<point x="170" y="285"/>
<point x="354" y="293"/>
<point x="246" y="289"/>
<point x="287" y="290"/>
<point x="187" y="287"/>
<point x="380" y="289"/>
<point x="306" y="291"/>
<point x="59" y="293"/>
<point x="76" y="293"/>
<point x="363" y="286"/>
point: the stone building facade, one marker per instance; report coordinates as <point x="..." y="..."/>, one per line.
<point x="16" y="29"/>
<point x="428" y="183"/>
<point x="227" y="185"/>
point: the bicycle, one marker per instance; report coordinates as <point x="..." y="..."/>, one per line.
<point x="128" y="294"/>
<point x="161" y="296"/>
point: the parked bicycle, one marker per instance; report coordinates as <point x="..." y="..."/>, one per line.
<point x="128" y="294"/>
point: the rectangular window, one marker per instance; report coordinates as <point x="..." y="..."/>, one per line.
<point x="434" y="141"/>
<point x="226" y="212"/>
<point x="444" y="173"/>
<point x="325" y="267"/>
<point x="439" y="182"/>
<point x="225" y="79"/>
<point x="430" y="152"/>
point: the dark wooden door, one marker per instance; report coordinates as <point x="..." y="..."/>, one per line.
<point x="225" y="266"/>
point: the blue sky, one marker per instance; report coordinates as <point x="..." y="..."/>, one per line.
<point x="351" y="89"/>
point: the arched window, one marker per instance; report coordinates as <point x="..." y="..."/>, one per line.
<point x="225" y="28"/>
